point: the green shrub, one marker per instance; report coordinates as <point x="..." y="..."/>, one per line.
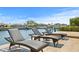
<point x="70" y="28"/>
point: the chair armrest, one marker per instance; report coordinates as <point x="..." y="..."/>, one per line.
<point x="9" y="39"/>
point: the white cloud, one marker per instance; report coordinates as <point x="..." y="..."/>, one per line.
<point x="11" y="19"/>
<point x="62" y="17"/>
<point x="66" y="15"/>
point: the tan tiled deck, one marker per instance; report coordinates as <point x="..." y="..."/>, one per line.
<point x="71" y="45"/>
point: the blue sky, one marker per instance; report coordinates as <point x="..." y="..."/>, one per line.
<point x="39" y="14"/>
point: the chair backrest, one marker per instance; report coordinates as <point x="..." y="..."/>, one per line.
<point x="15" y="35"/>
<point x="48" y="31"/>
<point x="36" y="32"/>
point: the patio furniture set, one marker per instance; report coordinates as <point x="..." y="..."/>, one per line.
<point x="35" y="44"/>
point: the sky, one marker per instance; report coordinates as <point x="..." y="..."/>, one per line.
<point x="46" y="15"/>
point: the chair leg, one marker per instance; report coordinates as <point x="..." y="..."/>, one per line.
<point x="10" y="46"/>
<point x="41" y="50"/>
<point x="56" y="43"/>
<point x="53" y="43"/>
<point x="35" y="38"/>
<point x="39" y="39"/>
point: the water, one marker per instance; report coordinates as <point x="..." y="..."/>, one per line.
<point x="25" y="34"/>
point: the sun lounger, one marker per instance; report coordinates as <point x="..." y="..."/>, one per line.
<point x="48" y="32"/>
<point x="17" y="39"/>
<point x="38" y="35"/>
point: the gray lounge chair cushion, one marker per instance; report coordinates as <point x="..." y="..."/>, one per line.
<point x="33" y="44"/>
<point x="15" y="35"/>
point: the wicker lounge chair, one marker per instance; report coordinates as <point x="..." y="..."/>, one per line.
<point x="38" y="35"/>
<point x="48" y="32"/>
<point x="17" y="39"/>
